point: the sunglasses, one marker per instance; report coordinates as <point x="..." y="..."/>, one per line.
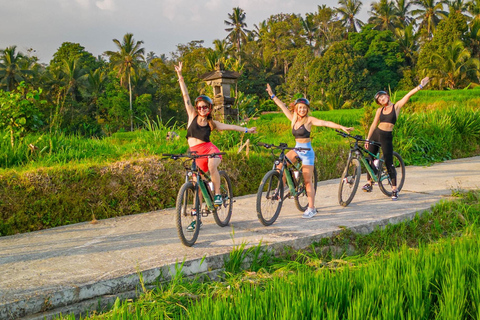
<point x="203" y="107"/>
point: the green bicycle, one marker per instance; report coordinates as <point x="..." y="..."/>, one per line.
<point x="270" y="194"/>
<point x="198" y="186"/>
<point x="351" y="175"/>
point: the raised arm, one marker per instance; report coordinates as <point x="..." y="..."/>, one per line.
<point x="323" y="123"/>
<point x="186" y="98"/>
<point x="399" y="104"/>
<point x="224" y="126"/>
<point x="279" y="103"/>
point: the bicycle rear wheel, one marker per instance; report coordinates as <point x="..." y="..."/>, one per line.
<point x="349" y="182"/>
<point x="384" y="181"/>
<point x="223" y="212"/>
<point x="301" y="199"/>
<point x="187" y="214"/>
<point x="269" y="197"/>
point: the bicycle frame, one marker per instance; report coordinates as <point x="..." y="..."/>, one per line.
<point x="361" y="154"/>
<point x="202" y="178"/>
<point x="286" y="162"/>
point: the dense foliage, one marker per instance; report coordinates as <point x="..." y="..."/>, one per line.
<point x="328" y="56"/>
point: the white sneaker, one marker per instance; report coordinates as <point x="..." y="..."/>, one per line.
<point x="309" y="213"/>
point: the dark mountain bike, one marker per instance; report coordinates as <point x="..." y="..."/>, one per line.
<point x="195" y="198"/>
<point x="270" y="194"/>
<point x="359" y="155"/>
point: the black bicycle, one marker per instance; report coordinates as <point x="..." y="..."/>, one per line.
<point x="359" y="155"/>
<point x="195" y="198"/>
<point x="270" y="194"/>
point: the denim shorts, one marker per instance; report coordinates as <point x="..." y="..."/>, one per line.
<point x="307" y="157"/>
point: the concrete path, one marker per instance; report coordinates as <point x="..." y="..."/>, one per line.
<point x="82" y="266"/>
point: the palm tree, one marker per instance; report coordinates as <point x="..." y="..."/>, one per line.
<point x="402" y="11"/>
<point x="407" y="40"/>
<point x="11" y="71"/>
<point x="454" y="66"/>
<point x="383" y="15"/>
<point x="456" y="5"/>
<point x="237" y="27"/>
<point x="473" y="37"/>
<point x="309" y="27"/>
<point x="126" y="61"/>
<point x="329" y="28"/>
<point x="348" y="10"/>
<point x="430" y="12"/>
<point x="473" y="7"/>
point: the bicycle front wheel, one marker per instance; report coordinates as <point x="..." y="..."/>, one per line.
<point x="188" y="214"/>
<point x="269" y="198"/>
<point x="349" y="182"/>
<point x="301" y="199"/>
<point x="384" y="181"/>
<point x="223" y="212"/>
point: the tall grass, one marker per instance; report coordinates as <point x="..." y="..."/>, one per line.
<point x="434" y="278"/>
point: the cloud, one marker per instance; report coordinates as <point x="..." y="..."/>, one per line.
<point x="84" y="3"/>
<point x="108" y="5"/>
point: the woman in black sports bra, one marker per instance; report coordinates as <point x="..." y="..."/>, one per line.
<point x="381" y="131"/>
<point x="301" y="124"/>
<point x="200" y="125"/>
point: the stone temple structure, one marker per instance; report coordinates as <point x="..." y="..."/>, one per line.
<point x="223" y="83"/>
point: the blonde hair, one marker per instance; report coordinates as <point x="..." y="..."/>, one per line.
<point x="295" y="116"/>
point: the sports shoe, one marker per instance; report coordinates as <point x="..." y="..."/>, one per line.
<point x="394" y="195"/>
<point x="367" y="188"/>
<point x="191" y="226"/>
<point x="309" y="213"/>
<point x="217" y="200"/>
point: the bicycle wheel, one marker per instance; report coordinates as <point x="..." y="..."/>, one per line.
<point x="301" y="199"/>
<point x="223" y="213"/>
<point x="384" y="182"/>
<point x="188" y="214"/>
<point x="349" y="182"/>
<point x="269" y="197"/>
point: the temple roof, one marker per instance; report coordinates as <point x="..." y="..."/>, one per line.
<point x="220" y="73"/>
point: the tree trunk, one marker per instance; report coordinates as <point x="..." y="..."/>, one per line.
<point x="131" y="108"/>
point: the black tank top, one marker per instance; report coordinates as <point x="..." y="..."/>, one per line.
<point x="199" y="132"/>
<point x="390" y="117"/>
<point x="301" y="132"/>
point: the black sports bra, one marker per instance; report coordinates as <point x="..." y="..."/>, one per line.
<point x="199" y="132"/>
<point x="301" y="132"/>
<point x="390" y="117"/>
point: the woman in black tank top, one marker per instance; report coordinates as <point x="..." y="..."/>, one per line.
<point x="302" y="124"/>
<point x="200" y="125"/>
<point x="381" y="131"/>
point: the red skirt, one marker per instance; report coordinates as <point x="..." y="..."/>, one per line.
<point x="204" y="148"/>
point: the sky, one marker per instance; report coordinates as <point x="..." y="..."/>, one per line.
<point x="41" y="26"/>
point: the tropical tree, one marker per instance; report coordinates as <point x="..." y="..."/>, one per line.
<point x="383" y="15"/>
<point x="329" y="28"/>
<point x="473" y="37"/>
<point x="458" y="6"/>
<point x="348" y="10"/>
<point x="402" y="12"/>
<point x="473" y="7"/>
<point x="408" y="44"/>
<point x="309" y="27"/>
<point x="11" y="72"/>
<point x="126" y="61"/>
<point x="452" y="69"/>
<point x="237" y="28"/>
<point x="430" y="14"/>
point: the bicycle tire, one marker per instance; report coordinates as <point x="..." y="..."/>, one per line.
<point x="301" y="199"/>
<point x="269" y="197"/>
<point x="349" y="182"/>
<point x="399" y="167"/>
<point x="187" y="201"/>
<point x="223" y="213"/>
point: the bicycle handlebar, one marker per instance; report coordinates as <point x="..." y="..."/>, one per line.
<point x="192" y="155"/>
<point x="357" y="137"/>
<point x="282" y="146"/>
